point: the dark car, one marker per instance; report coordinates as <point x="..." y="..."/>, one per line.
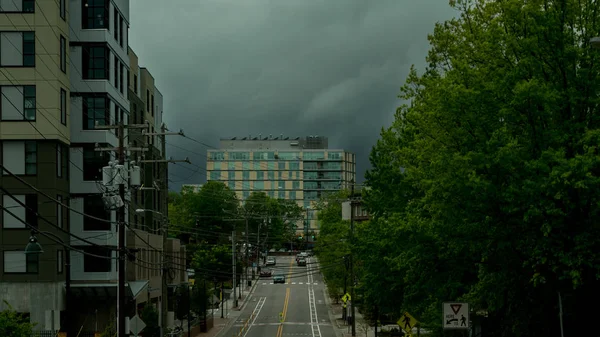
<point x="302" y="262"/>
<point x="279" y="279"/>
<point x="266" y="273"/>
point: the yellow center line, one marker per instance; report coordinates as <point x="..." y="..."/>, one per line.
<point x="286" y="302"/>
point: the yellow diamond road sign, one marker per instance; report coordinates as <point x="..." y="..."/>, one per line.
<point x="407" y="322"/>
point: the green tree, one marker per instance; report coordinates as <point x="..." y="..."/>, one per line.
<point x="212" y="262"/>
<point x="12" y="324"/>
<point x="496" y="201"/>
<point x="149" y="316"/>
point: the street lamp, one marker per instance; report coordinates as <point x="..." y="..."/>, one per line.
<point x="595" y="42"/>
<point x="35" y="248"/>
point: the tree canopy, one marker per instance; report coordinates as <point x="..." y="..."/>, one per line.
<point x="485" y="188"/>
<point x="12" y="324"/>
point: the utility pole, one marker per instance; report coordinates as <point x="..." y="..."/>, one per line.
<point x="121" y="181"/>
<point x="165" y="266"/>
<point x="247" y="257"/>
<point x="235" y="300"/>
<point x="352" y="298"/>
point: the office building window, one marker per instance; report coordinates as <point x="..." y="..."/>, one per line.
<point x="98" y="262"/>
<point x="95" y="110"/>
<point x="245" y="165"/>
<point x="18" y="103"/>
<point x="94" y="14"/>
<point x="271" y="165"/>
<point x="281" y="165"/>
<point x="17" y="262"/>
<point x="93" y="161"/>
<point x="63" y="9"/>
<point x="121" y="83"/>
<point x="116" y="77"/>
<point x="95" y="62"/>
<point x="260" y="175"/>
<point x="60" y="261"/>
<point x="257" y="166"/>
<point x="135" y="84"/>
<point x="63" y="106"/>
<point x="19" y="212"/>
<point x="232" y="185"/>
<point x="215" y="175"/>
<point x="293" y="195"/>
<point x="239" y="155"/>
<point x="281" y="195"/>
<point x="147" y="100"/>
<point x="62" y="161"/>
<point x="271" y="175"/>
<point x="152" y="106"/>
<point x="295" y="185"/>
<point x="97" y="217"/>
<point x="18" y="49"/>
<point x="63" y="54"/>
<point x="216" y="156"/>
<point x="245" y="194"/>
<point x="246" y="175"/>
<point x="259" y="185"/>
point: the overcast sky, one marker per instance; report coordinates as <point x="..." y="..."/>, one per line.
<point x="299" y="67"/>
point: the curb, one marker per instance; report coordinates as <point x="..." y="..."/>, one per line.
<point x="332" y="319"/>
<point x="248" y="296"/>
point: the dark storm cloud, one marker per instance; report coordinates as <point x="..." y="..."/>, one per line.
<point x="298" y="67"/>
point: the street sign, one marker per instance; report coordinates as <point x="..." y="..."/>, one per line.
<point x="346" y="297"/>
<point x="456" y="315"/>
<point x="407" y="322"/>
<point x="136" y="325"/>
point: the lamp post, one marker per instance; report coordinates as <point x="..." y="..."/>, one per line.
<point x="35" y="248"/>
<point x="164" y="291"/>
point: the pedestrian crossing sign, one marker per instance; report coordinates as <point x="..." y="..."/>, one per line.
<point x="346" y="298"/>
<point x="407" y="322"/>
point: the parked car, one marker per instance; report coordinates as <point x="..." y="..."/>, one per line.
<point x="271" y="261"/>
<point x="302" y="262"/>
<point x="279" y="279"/>
<point x="266" y="273"/>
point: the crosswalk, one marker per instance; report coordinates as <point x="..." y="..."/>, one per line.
<point x="287" y="323"/>
<point x="308" y="283"/>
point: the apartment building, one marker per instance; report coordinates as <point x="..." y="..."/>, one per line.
<point x="64" y="69"/>
<point x="34" y="143"/>
<point x="299" y="169"/>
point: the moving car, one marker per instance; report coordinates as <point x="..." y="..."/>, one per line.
<point x="302" y="262"/>
<point x="279" y="279"/>
<point x="266" y="273"/>
<point x="271" y="261"/>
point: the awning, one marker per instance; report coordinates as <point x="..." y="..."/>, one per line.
<point x="107" y="290"/>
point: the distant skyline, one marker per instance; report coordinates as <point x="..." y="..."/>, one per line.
<point x="294" y="67"/>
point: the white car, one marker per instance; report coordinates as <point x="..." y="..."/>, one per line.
<point x="271" y="261"/>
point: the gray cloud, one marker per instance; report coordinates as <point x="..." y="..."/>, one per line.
<point x="297" y="67"/>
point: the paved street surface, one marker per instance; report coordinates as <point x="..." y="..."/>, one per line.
<point x="300" y="301"/>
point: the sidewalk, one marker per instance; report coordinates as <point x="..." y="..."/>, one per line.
<point x="230" y="314"/>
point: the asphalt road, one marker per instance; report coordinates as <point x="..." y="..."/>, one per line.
<point x="300" y="302"/>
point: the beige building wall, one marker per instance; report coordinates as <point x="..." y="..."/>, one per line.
<point x="47" y="75"/>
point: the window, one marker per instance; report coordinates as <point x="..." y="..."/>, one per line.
<point x="63" y="10"/>
<point x="245" y="165"/>
<point x="152" y="106"/>
<point x="62" y="161"/>
<point x="18" y="103"/>
<point x="293" y="195"/>
<point x="93" y="161"/>
<point x="94" y="14"/>
<point x="257" y="165"/>
<point x="30" y="158"/>
<point x="147" y="100"/>
<point x="216" y="156"/>
<point x="281" y="195"/>
<point x="63" y="54"/>
<point x="246" y="175"/>
<point x="215" y="175"/>
<point x="231" y="185"/>
<point x="281" y="165"/>
<point x="63" y="106"/>
<point x="259" y="185"/>
<point x="295" y="185"/>
<point x="18" y="49"/>
<point x="116" y="65"/>
<point x="19" y="212"/>
<point x="116" y="24"/>
<point x="60" y="261"/>
<point x="135" y="84"/>
<point x="59" y="211"/>
<point x="260" y="175"/>
<point x="17" y="262"/>
<point x="95" y="109"/>
<point x="239" y="155"/>
<point x="95" y="62"/>
<point x="93" y="206"/>
<point x="17" y="6"/>
<point x="121" y="29"/>
<point x="97" y="264"/>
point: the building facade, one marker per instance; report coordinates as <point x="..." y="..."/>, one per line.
<point x="299" y="169"/>
<point x="66" y="68"/>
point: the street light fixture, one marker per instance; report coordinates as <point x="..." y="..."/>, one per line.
<point x="595" y="42"/>
<point x="35" y="248"/>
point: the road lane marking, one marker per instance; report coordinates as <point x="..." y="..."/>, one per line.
<point x="284" y="312"/>
<point x="250" y="322"/>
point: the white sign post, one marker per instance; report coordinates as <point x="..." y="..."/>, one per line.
<point x="456" y="315"/>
